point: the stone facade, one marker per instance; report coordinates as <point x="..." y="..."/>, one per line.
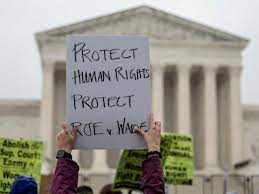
<point x="195" y="83"/>
<point x="195" y="89"/>
<point x="20" y="119"/>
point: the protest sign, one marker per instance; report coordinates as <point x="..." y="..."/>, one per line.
<point x="108" y="90"/>
<point x="177" y="162"/>
<point x="178" y="165"/>
<point x="19" y="157"/>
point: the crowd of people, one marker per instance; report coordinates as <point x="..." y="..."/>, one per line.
<point x="65" y="178"/>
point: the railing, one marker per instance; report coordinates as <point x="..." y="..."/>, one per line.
<point x="215" y="185"/>
<point x="202" y="185"/>
<point x="254" y="184"/>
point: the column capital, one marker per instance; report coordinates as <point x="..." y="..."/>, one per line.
<point x="235" y="71"/>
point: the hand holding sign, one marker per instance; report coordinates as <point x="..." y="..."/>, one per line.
<point x="152" y="137"/>
<point x="66" y="138"/>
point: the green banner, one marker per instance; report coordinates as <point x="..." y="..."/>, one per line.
<point x="177" y="162"/>
<point x="19" y="157"/>
<point x="178" y="165"/>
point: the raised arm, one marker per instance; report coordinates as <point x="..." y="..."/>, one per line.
<point x="66" y="173"/>
<point x="152" y="179"/>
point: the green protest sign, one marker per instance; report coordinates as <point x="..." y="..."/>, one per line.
<point x="129" y="172"/>
<point x="19" y="157"/>
<point x="178" y="165"/>
<point x="177" y="162"/>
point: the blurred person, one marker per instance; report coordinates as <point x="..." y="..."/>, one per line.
<point x="66" y="173"/>
<point x="84" y="190"/>
<point x="24" y="185"/>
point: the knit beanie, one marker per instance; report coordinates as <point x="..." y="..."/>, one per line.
<point x="24" y="184"/>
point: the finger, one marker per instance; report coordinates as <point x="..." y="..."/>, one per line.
<point x="64" y="126"/>
<point x="58" y="137"/>
<point x="73" y="131"/>
<point x="151" y="121"/>
<point x="75" y="128"/>
<point x="139" y="131"/>
<point x="65" y="132"/>
<point x="158" y="125"/>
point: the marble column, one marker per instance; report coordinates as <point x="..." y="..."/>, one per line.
<point x="99" y="162"/>
<point x="46" y="115"/>
<point x="236" y="127"/>
<point x="210" y="119"/>
<point x="158" y="93"/>
<point x="76" y="156"/>
<point x="183" y="99"/>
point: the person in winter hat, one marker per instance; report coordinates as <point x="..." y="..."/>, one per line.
<point x="24" y="184"/>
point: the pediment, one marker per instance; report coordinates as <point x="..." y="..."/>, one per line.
<point x="144" y="20"/>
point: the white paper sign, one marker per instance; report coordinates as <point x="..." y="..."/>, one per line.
<point x="108" y="90"/>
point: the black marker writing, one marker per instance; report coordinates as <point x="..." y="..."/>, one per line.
<point x="132" y="74"/>
<point x="109" y="131"/>
<point x="88" y="102"/>
<point x="88" y="129"/>
<point x="126" y="127"/>
<point x="82" y="77"/>
<point x="84" y="54"/>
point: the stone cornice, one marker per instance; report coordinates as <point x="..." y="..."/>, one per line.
<point x="18" y="107"/>
<point x="19" y="102"/>
<point x="156" y="24"/>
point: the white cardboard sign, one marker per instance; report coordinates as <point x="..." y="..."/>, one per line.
<point x="108" y="90"/>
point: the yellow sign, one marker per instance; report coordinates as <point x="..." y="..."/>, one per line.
<point x="177" y="162"/>
<point x="19" y="157"/>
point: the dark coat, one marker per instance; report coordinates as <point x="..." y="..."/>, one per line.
<point x="66" y="177"/>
